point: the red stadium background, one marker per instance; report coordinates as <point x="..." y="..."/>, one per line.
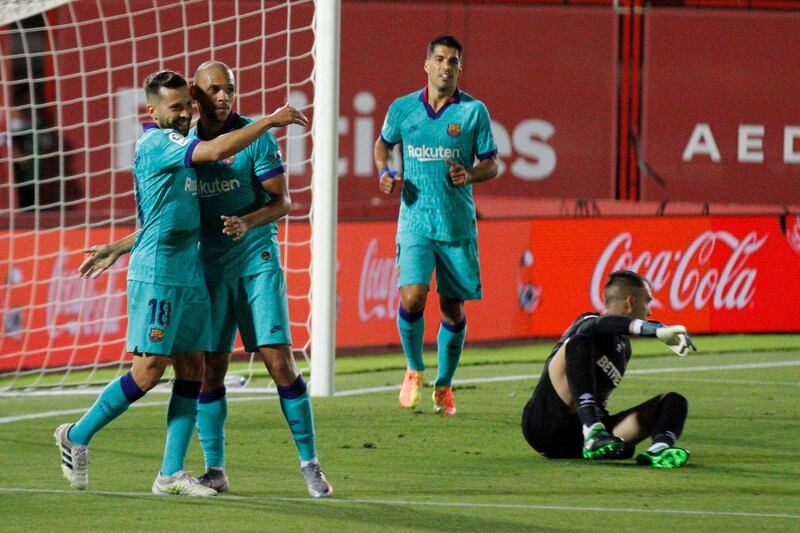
<point x="715" y="274"/>
<point x="630" y="106"/>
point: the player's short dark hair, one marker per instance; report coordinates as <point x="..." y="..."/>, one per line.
<point x="164" y="78"/>
<point x="445" y="40"/>
<point x="621" y="283"/>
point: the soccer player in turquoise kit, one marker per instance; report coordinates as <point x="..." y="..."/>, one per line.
<point x="241" y="198"/>
<point x="168" y="304"/>
<point x="442" y="131"/>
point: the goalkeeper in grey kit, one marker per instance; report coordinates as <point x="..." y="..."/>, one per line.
<point x="567" y="418"/>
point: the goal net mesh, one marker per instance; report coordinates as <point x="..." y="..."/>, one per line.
<point x="72" y="108"/>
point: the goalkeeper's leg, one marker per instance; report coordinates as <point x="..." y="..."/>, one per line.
<point x="660" y="418"/>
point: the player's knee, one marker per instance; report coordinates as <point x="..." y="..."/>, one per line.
<point x="413" y="298"/>
<point x="676" y="403"/>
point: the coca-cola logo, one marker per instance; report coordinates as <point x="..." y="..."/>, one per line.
<point x="688" y="276"/>
<point x="76" y="305"/>
<point x="378" y="295"/>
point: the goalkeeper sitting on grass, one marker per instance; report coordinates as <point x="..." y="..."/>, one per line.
<point x="566" y="417"/>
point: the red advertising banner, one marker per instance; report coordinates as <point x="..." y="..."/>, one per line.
<point x="712" y="274"/>
<point x="548" y="78"/>
<point x="721" y="110"/>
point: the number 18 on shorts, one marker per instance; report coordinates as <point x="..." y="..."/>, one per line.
<point x="167" y="320"/>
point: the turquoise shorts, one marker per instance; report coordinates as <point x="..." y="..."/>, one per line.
<point x="458" y="271"/>
<point x="256" y="304"/>
<point x="167" y="320"/>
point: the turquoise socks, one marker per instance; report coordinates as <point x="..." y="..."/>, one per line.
<point x="412" y="329"/>
<point x="112" y="402"/>
<point x="450" y="341"/>
<point x="212" y="410"/>
<point x="181" y="418"/>
<point x="296" y="407"/>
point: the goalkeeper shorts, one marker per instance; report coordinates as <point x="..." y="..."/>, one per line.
<point x="167" y="320"/>
<point x="458" y="271"/>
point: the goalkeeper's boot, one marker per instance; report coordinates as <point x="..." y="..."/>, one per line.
<point x="74" y="458"/>
<point x="316" y="482"/>
<point x="600" y="444"/>
<point x="443" y="401"/>
<point x="411" y="391"/>
<point x="215" y="478"/>
<point x="665" y="457"/>
<point x="180" y="484"/>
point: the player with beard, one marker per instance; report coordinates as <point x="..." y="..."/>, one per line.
<point x="168" y="304"/>
<point x="567" y="418"/>
<point x="241" y="198"/>
<point x="447" y="145"/>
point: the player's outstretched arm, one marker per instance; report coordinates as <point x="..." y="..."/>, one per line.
<point x="388" y="178"/>
<point x="675" y="337"/>
<point x="102" y="256"/>
<point x="278" y="206"/>
<point x="485" y="170"/>
<point x="235" y="141"/>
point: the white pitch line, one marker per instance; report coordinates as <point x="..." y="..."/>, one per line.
<point x="410" y="503"/>
<point x="387" y="388"/>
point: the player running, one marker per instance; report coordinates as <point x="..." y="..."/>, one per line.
<point x="441" y="130"/>
<point x="168" y="304"/>
<point x="567" y="418"/>
<point x="241" y="198"/>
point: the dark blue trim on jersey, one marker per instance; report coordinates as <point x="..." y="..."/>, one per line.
<point x="423" y="97"/>
<point x="487" y="155"/>
<point x="149" y="125"/>
<point x="187" y="157"/>
<point x="387" y="143"/>
<point x="271" y="173"/>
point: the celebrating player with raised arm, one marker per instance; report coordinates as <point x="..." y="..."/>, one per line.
<point x="168" y="304"/>
<point x="241" y="198"/>
<point x="567" y="418"/>
<point x="442" y="131"/>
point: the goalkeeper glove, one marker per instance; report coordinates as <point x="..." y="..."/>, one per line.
<point x="676" y="339"/>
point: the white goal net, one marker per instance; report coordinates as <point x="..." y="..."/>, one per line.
<point x="72" y="105"/>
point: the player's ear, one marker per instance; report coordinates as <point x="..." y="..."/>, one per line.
<point x="192" y="91"/>
<point x="151" y="110"/>
<point x="630" y="303"/>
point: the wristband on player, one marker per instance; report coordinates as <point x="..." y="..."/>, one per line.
<point x="645" y="328"/>
<point x="387" y="170"/>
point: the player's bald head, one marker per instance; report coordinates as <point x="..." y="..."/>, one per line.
<point x="209" y="69"/>
<point x="620" y="285"/>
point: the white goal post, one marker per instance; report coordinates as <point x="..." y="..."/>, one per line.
<point x="71" y="105"/>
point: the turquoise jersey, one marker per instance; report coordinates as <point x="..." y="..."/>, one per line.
<point x="165" y="186"/>
<point x="461" y="131"/>
<point x="232" y="187"/>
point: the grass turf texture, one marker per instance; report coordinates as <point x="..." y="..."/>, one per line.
<point x="398" y="470"/>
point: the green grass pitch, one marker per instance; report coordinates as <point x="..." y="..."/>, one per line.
<point x="398" y="470"/>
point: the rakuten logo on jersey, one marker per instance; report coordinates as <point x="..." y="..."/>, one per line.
<point x="377" y="289"/>
<point x="688" y="275"/>
<point x="217" y="187"/>
<point x="432" y="153"/>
